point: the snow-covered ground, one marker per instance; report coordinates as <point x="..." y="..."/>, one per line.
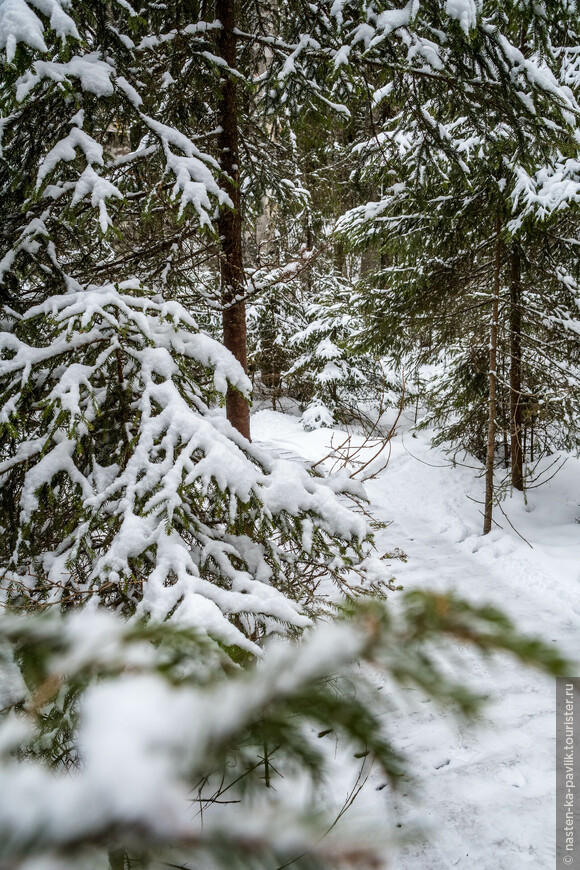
<point x="486" y="792"/>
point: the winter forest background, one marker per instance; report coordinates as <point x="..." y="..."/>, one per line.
<point x="289" y="402"/>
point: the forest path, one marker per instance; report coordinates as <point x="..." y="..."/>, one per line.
<point x="487" y="791"/>
<point x="486" y="796"/>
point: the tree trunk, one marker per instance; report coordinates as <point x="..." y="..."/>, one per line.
<point x="492" y="399"/>
<point x="504" y="429"/>
<point x="230" y="220"/>
<point x="506" y="452"/>
<point x="516" y="370"/>
<point x="340" y="257"/>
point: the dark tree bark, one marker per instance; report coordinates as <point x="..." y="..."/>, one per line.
<point x="516" y="370"/>
<point x="504" y="416"/>
<point x="492" y="396"/>
<point x="230" y="219"/>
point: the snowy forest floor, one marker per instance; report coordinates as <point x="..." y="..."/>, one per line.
<point x="485" y="796"/>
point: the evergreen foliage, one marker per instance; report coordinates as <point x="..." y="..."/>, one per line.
<point x="469" y="183"/>
<point x="342" y="385"/>
<point x="130" y="488"/>
<point x="123" y="725"/>
<point x="120" y="478"/>
<point x="161" y="169"/>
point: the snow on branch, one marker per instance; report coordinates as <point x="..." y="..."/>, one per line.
<point x="158" y="506"/>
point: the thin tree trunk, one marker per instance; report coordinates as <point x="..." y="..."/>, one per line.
<point x="492" y="399"/>
<point x="230" y="220"/>
<point x="516" y="370"/>
<point x="340" y="257"/>
<point x="309" y="246"/>
<point x="506" y="450"/>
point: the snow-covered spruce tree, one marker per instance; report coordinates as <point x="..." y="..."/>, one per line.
<point x="445" y="252"/>
<point x="455" y="251"/>
<point x="451" y="173"/>
<point x="340" y="385"/>
<point x="121" y="481"/>
<point x="272" y="321"/>
<point x="153" y="83"/>
<point x="301" y="342"/>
